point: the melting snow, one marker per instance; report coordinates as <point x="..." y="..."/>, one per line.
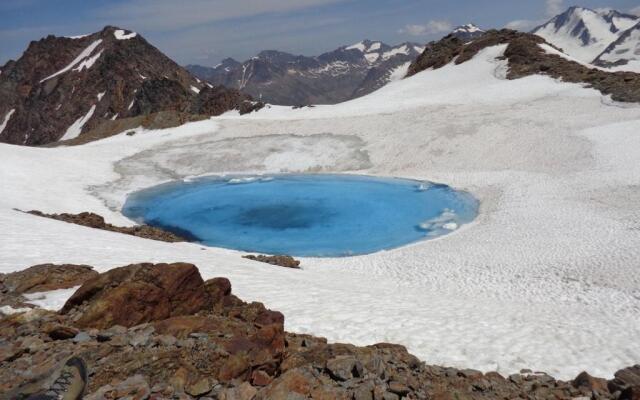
<point x="76" y="128"/>
<point x="85" y="53"/>
<point x="52" y="300"/>
<point x="6" y="119"/>
<point x="121" y="35"/>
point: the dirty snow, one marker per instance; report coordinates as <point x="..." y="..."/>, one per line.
<point x="76" y="128"/>
<point x="546" y="278"/>
<point x="86" y="53"/>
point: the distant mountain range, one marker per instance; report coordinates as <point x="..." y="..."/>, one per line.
<point x="63" y="87"/>
<point x="345" y="73"/>
<point x="606" y="38"/>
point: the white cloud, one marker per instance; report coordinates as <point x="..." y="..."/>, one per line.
<point x="554" y="7"/>
<point x="635" y="11"/>
<point x="523" y="25"/>
<point x="171" y="14"/>
<point x="430" y="28"/>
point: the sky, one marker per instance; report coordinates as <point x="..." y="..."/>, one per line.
<point x="206" y="31"/>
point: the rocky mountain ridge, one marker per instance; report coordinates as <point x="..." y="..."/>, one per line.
<point x="528" y="54"/>
<point x="63" y="87"/>
<point x="281" y="78"/>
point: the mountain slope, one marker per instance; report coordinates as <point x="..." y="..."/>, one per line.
<point x="527" y="54"/>
<point x="345" y="73"/>
<point x="63" y="87"/>
<point x="584" y="33"/>
<point x="624" y="53"/>
<point x="467" y="32"/>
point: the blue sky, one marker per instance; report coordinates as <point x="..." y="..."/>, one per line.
<point x="205" y="31"/>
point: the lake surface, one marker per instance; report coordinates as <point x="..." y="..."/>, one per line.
<point x="310" y="215"/>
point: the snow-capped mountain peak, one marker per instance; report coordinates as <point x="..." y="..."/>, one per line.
<point x="467" y="32"/>
<point x="585" y="33"/>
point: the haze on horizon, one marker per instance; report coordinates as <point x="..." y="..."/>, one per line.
<point x="204" y="32"/>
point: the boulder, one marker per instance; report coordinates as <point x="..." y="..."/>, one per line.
<point x="136" y="294"/>
<point x="46" y="277"/>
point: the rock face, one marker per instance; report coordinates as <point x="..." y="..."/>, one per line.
<point x="345" y="73"/>
<point x="63" y="87"/>
<point x="526" y="57"/>
<point x="92" y="220"/>
<point x="136" y="294"/>
<point x="201" y="341"/>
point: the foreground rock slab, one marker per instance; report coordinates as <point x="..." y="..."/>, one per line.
<point x="161" y="331"/>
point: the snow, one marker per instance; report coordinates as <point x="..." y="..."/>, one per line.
<point x="546" y="278"/>
<point x="195" y="89"/>
<point x="419" y="49"/>
<point x="470" y="28"/>
<point x="393" y="52"/>
<point x="88" y="63"/>
<point x="372" y="57"/>
<point x="6" y="119"/>
<point x="568" y="36"/>
<point x="399" y="72"/>
<point x="553" y="51"/>
<point x="52" y="300"/>
<point x="375" y="46"/>
<point x="81" y="57"/>
<point x="358" y="46"/>
<point x="77" y="36"/>
<point x="142" y="76"/>
<point x="121" y="35"/>
<point x="627" y="49"/>
<point x="131" y="104"/>
<point x="76" y="128"/>
<point x="100" y="95"/>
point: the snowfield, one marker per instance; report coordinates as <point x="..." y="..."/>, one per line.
<point x="546" y="278"/>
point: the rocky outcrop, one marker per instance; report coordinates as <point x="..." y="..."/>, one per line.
<point x="525" y="58"/>
<point x="46" y="277"/>
<point x="62" y="88"/>
<point x="96" y="221"/>
<point x="136" y="294"/>
<point x="218" y="99"/>
<point x="281" y="261"/>
<point x="197" y="340"/>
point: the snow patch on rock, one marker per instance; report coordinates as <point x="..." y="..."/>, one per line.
<point x="81" y="57"/>
<point x="6" y="119"/>
<point x="76" y="128"/>
<point x="122" y="35"/>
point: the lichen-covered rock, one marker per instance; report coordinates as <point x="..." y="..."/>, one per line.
<point x="46" y="277"/>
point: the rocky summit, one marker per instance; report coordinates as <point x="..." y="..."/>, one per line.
<point x="62" y="88"/>
<point x="152" y="331"/>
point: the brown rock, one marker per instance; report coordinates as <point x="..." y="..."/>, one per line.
<point x="625" y="378"/>
<point x="260" y="378"/>
<point x="586" y="381"/>
<point x="630" y="393"/>
<point x="47" y="277"/>
<point x="95" y="221"/>
<point x="138" y="293"/>
<point x="60" y="332"/>
<point x="281" y="261"/>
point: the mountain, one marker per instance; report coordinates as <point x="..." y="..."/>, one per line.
<point x="467" y="32"/>
<point x="624" y="53"/>
<point x="286" y="79"/>
<point x="584" y="33"/>
<point x="527" y="54"/>
<point x="63" y="87"/>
